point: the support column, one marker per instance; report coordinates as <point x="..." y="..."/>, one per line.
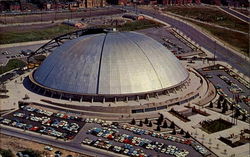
<point x="147" y="97"/>
<point x="38" y="90"/>
<point x="103" y="100"/>
<point x="137" y="98"/>
<point x="156" y="95"/>
<point x="81" y="99"/>
<point x="92" y="100"/>
<point x="126" y="99"/>
<point x="60" y="96"/>
<point x="115" y="100"/>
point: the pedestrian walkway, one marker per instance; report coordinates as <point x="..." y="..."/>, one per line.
<point x="215" y="145"/>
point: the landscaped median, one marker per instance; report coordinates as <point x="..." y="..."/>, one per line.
<point x="235" y="39"/>
<point x="216" y="17"/>
<point x="211" y="15"/>
<point x="212" y="126"/>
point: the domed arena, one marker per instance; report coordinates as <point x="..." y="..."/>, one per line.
<point x="110" y="65"/>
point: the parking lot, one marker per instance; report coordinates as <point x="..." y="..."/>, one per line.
<point x="169" y="39"/>
<point x="56" y="124"/>
<point x="134" y="141"/>
<point x="230" y="85"/>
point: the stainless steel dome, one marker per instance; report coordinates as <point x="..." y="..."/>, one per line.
<point x="111" y="63"/>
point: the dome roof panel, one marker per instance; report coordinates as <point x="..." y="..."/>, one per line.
<point x="111" y="63"/>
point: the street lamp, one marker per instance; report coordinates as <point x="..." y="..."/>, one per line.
<point x="214" y="50"/>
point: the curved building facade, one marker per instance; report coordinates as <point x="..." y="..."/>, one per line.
<point x="113" y="64"/>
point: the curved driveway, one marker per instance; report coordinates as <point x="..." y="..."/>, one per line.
<point x="222" y="53"/>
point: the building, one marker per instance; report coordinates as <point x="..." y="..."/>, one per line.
<point x="110" y="66"/>
<point x="107" y="72"/>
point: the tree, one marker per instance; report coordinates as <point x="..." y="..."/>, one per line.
<point x="32" y="152"/>
<point x="165" y="124"/>
<point x="150" y="124"/>
<point x="182" y="132"/>
<point x="6" y="153"/>
<point x="224" y="106"/>
<point x="158" y="128"/>
<point x="231" y="107"/>
<point x="141" y="124"/>
<point x="146" y="121"/>
<point x="237" y="113"/>
<point x="133" y="121"/>
<point x="172" y="125"/>
<point x="221" y="98"/>
<point x="174" y="132"/>
<point x="187" y="135"/>
<point x="160" y="119"/>
<point x="244" y="117"/>
<point x="223" y="110"/>
<point x="218" y="104"/>
<point x="211" y="105"/>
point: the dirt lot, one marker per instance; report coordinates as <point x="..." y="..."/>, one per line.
<point x="17" y="144"/>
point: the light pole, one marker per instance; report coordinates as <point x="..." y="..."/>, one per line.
<point x="214" y="50"/>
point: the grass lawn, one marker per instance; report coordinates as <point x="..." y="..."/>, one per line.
<point x="49" y="33"/>
<point x="210" y="15"/>
<point x="12" y="64"/>
<point x="215" y="125"/>
<point x="33" y="35"/>
<point x="237" y="40"/>
<point x="139" y="24"/>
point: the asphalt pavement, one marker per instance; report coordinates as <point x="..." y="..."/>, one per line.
<point x="225" y="87"/>
<point x="192" y="151"/>
<point x="72" y="146"/>
<point x="235" y="13"/>
<point x="16" y="50"/>
<point x="222" y="53"/>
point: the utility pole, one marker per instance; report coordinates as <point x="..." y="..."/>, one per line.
<point x="41" y="16"/>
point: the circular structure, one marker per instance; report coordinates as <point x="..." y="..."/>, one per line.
<point x="109" y="65"/>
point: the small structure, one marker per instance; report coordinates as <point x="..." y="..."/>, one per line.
<point x="133" y="16"/>
<point x="73" y="23"/>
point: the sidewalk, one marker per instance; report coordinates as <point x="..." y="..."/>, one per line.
<point x="204" y="138"/>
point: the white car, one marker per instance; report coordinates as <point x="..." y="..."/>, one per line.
<point x="48" y="148"/>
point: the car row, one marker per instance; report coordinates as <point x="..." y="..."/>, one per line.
<point x="234" y="88"/>
<point x="49" y="113"/>
<point x="126" y="149"/>
<point x="35" y="128"/>
<point x="238" y="78"/>
<point x="113" y="134"/>
<point x="112" y="131"/>
<point x="166" y="136"/>
<point x="59" y="125"/>
<point x="47" y="121"/>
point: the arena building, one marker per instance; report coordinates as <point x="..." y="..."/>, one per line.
<point x="131" y="70"/>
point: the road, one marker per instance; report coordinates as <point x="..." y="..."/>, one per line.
<point x="222" y="53"/>
<point x="72" y="146"/>
<point x="235" y="13"/>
